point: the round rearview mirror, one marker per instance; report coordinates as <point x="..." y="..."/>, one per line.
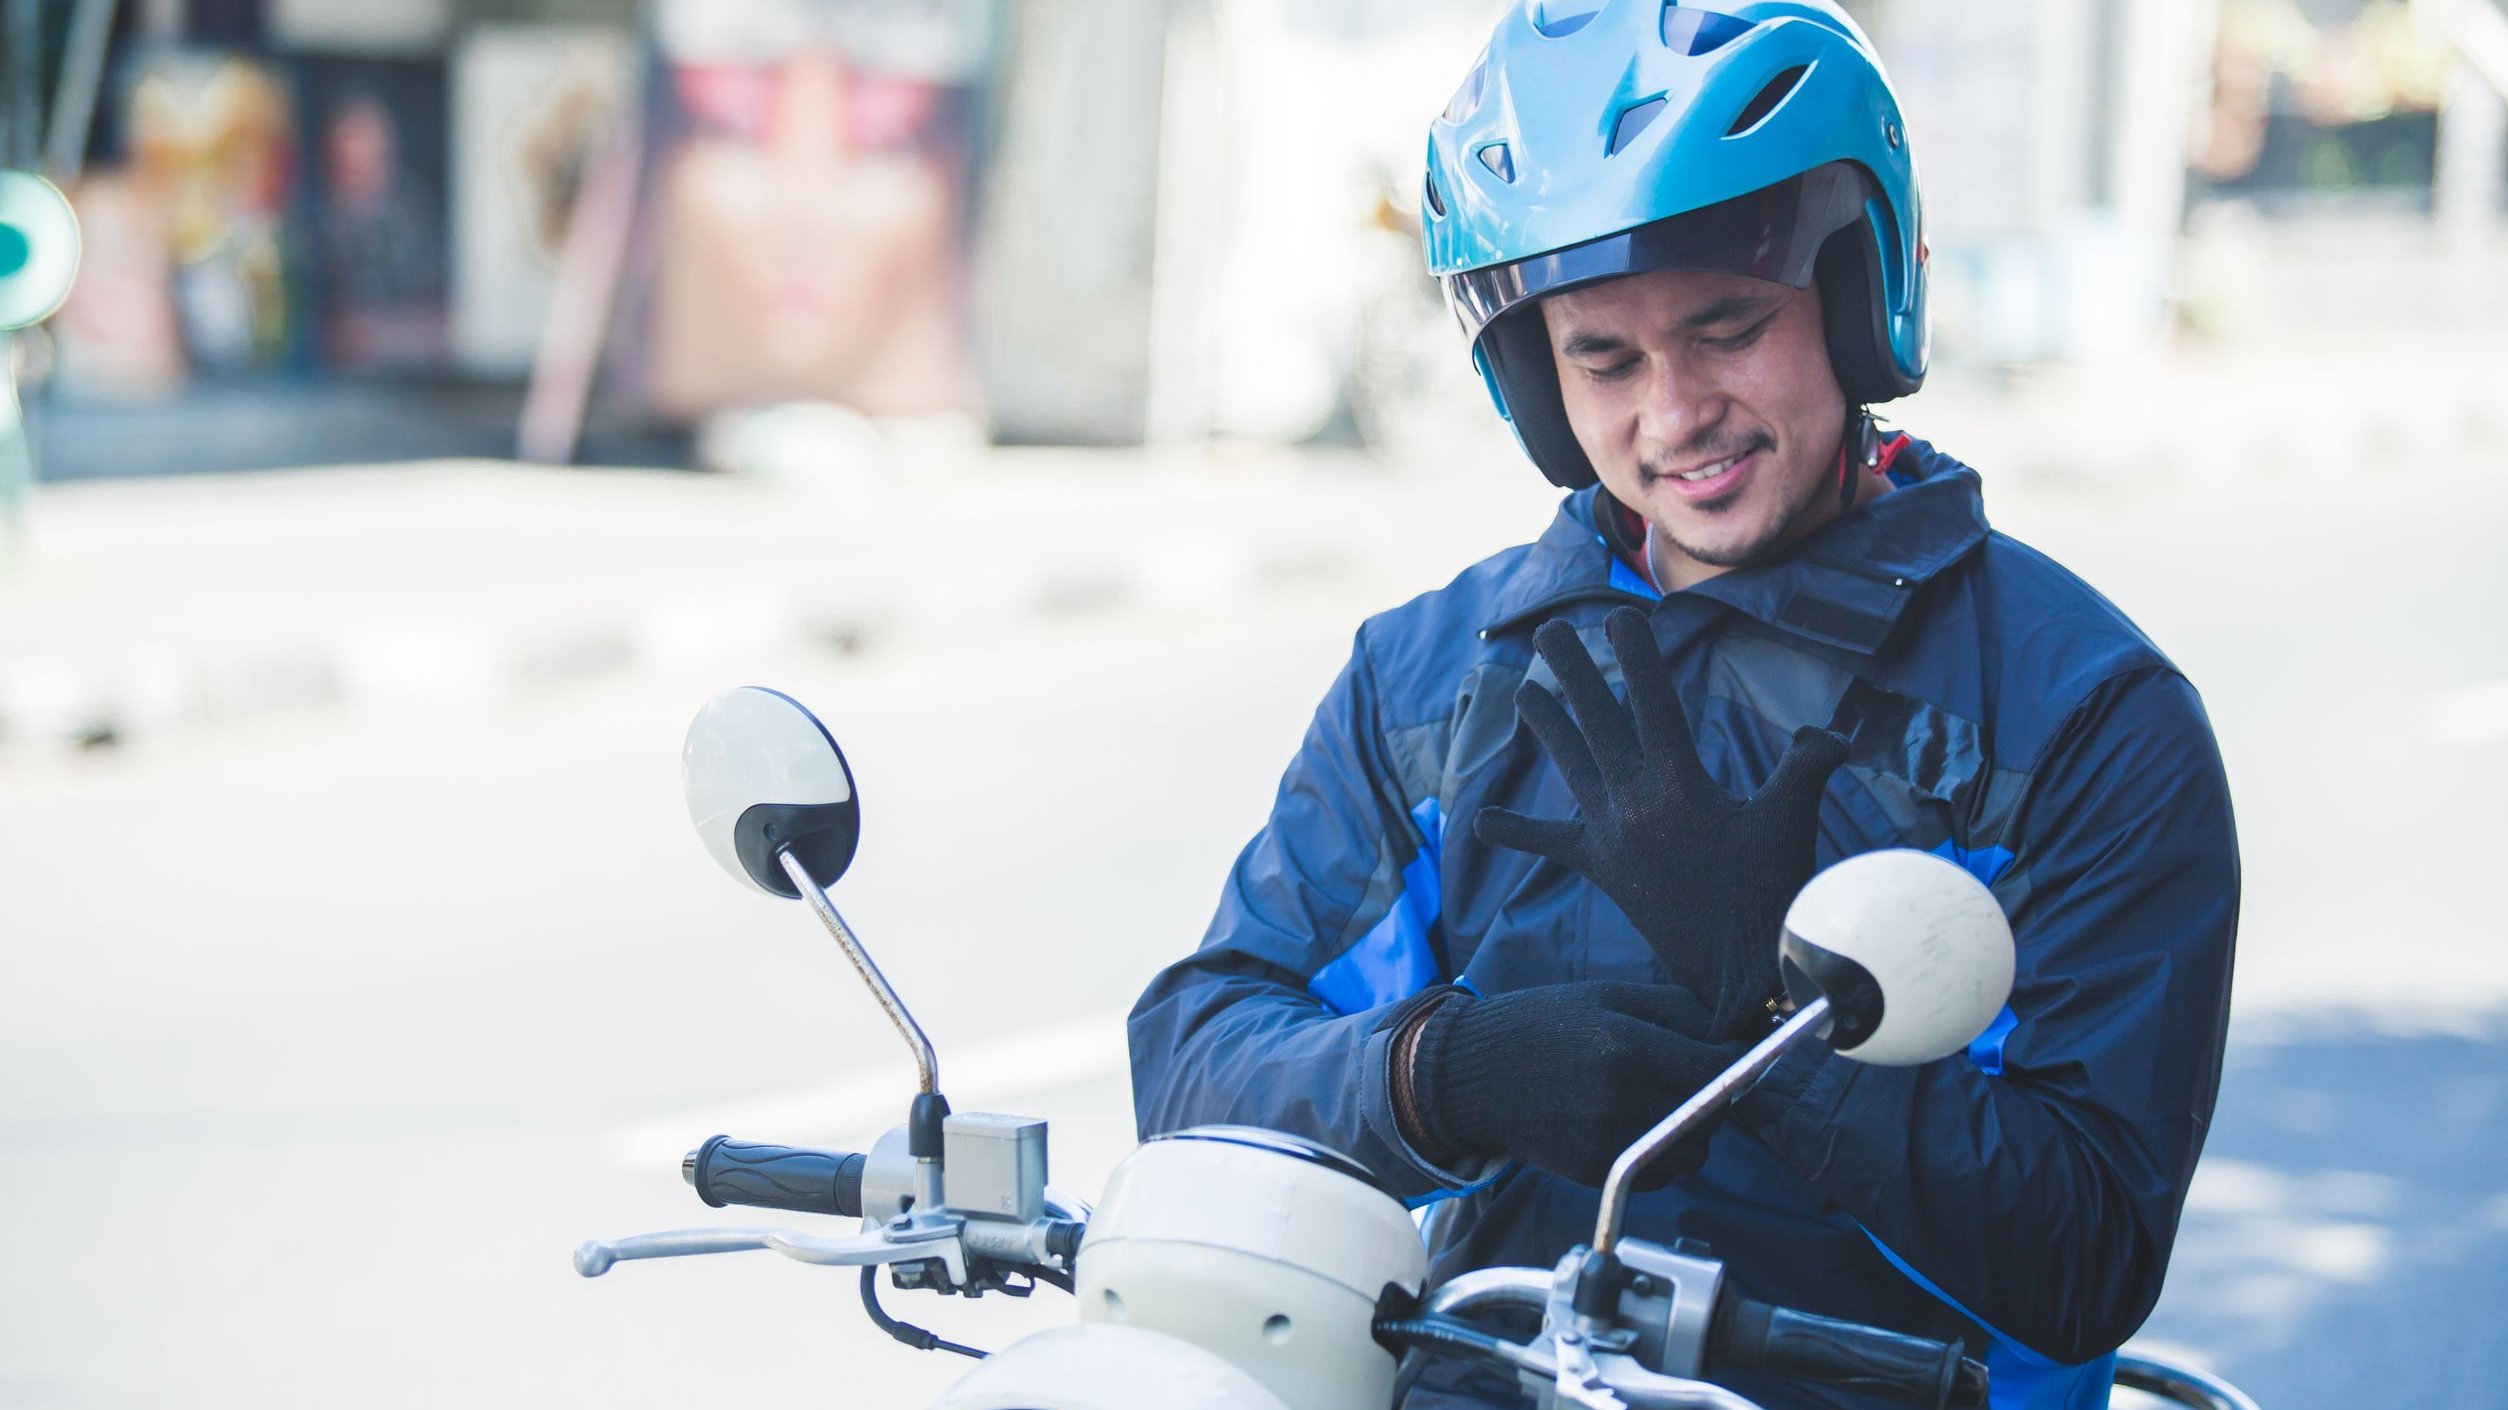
<point x="1913" y="953"/>
<point x="764" y="777"/>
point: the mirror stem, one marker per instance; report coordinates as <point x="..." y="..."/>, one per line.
<point x="926" y="1066"/>
<point x="1689" y="1115"/>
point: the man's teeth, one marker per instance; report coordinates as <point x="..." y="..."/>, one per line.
<point x="1711" y="471"/>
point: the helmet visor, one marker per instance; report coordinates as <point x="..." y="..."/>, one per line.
<point x="1773" y="233"/>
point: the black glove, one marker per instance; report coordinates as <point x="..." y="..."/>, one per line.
<point x="1704" y="876"/>
<point x="1564" y="1076"/>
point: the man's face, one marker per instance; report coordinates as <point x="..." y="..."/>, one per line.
<point x="1707" y="404"/>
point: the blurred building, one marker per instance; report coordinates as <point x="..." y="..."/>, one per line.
<point x="322" y="230"/>
<point x="2101" y="174"/>
<point x="2052" y="139"/>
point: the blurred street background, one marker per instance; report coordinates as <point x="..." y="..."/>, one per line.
<point x="456" y="393"/>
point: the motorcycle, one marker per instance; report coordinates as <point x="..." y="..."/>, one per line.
<point x="1233" y="1268"/>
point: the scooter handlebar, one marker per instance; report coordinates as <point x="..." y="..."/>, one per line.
<point x="1778" y="1341"/>
<point x="724" y="1171"/>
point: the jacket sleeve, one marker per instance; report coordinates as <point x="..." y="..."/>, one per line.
<point x="1284" y="1016"/>
<point x="2035" y="1183"/>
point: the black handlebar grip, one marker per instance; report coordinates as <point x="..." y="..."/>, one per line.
<point x="725" y="1171"/>
<point x="1779" y="1341"/>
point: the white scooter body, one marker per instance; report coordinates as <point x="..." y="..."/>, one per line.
<point x="1242" y="1245"/>
<point x="1103" y="1366"/>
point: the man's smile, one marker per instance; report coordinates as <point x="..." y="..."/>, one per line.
<point x="1709" y="481"/>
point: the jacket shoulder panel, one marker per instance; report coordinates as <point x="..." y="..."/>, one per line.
<point x="1421" y="651"/>
<point x="2039" y="640"/>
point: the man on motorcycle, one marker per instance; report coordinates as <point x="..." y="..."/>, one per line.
<point x="1686" y="244"/>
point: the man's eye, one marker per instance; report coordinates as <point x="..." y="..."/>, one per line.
<point x="1616" y="371"/>
<point x="1737" y="341"/>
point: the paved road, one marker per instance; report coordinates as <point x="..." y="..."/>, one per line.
<point x="324" y="1041"/>
<point x="329" y="1035"/>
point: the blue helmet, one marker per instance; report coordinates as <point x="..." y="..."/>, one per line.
<point x="1599" y="138"/>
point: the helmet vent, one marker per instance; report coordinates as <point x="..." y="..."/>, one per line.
<point x="1557" y="19"/>
<point x="1767" y="100"/>
<point x="1436" y="198"/>
<point x="1694" y="32"/>
<point x="1498" y="159"/>
<point x="1633" y="120"/>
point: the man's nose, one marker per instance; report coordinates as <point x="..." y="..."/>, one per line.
<point x="1677" y="404"/>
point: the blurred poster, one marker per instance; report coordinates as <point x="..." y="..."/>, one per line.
<point x="530" y="105"/>
<point x="809" y="205"/>
<point x="117" y="335"/>
<point x="374" y="210"/>
<point x="212" y="142"/>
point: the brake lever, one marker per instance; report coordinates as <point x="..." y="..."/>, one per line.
<point x="594" y="1257"/>
<point x="1632" y="1386"/>
<point x="908" y="1240"/>
<point x="1576" y="1380"/>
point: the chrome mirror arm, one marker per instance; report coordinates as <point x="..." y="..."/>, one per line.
<point x="1690" y="1115"/>
<point x="926" y="1064"/>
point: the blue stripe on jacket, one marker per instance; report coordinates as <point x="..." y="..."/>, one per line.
<point x="1394" y="959"/>
<point x="2016" y="1377"/>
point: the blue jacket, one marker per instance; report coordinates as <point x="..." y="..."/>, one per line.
<point x="2023" y="1196"/>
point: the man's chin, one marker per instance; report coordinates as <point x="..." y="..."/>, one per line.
<point x="1722" y="541"/>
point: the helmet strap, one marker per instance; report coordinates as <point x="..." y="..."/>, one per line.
<point x="1621" y="527"/>
<point x="1858" y="455"/>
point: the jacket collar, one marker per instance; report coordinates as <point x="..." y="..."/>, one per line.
<point x="1844" y="586"/>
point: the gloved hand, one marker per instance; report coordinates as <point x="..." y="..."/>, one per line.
<point x="1563" y="1076"/>
<point x="1704" y="876"/>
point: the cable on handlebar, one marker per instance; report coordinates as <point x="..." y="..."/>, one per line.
<point x="1429" y="1333"/>
<point x="913" y="1336"/>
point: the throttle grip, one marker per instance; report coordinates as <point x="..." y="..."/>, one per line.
<point x="724" y="1171"/>
<point x="1778" y="1341"/>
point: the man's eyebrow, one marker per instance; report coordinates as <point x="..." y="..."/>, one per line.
<point x="1591" y="345"/>
<point x="1725" y="310"/>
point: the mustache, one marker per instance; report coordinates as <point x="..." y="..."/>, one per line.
<point x="1707" y="450"/>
